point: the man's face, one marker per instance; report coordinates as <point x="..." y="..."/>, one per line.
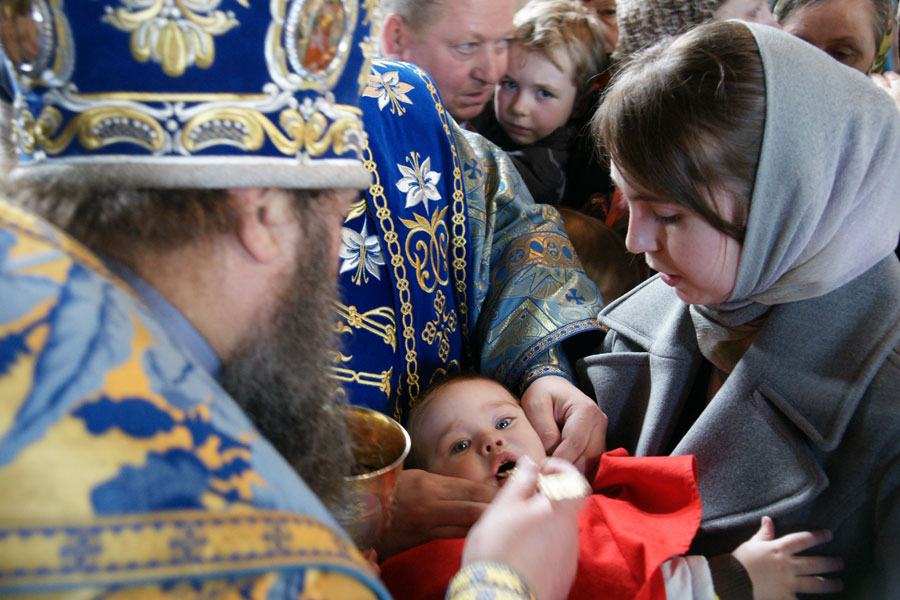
<point x="465" y="52"/>
<point x="278" y="375"/>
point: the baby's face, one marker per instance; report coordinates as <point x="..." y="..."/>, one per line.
<point x="476" y="430"/>
<point x="535" y="97"/>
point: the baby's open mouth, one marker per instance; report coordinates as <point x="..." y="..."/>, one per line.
<point x="506" y="469"/>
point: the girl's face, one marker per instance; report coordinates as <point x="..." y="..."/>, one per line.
<point x="691" y="255"/>
<point x="843" y="28"/>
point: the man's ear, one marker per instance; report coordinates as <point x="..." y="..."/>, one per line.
<point x="396" y="38"/>
<point x="258" y="216"/>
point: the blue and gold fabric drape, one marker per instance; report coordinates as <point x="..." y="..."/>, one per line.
<point x="125" y="471"/>
<point x="447" y="263"/>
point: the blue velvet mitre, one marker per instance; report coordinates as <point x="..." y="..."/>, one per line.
<point x="190" y="93"/>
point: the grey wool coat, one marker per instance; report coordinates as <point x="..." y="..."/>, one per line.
<point x="806" y="429"/>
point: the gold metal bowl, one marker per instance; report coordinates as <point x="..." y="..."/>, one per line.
<point x="380" y="444"/>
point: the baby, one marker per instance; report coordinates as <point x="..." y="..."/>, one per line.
<point x="643" y="512"/>
<point x="556" y="53"/>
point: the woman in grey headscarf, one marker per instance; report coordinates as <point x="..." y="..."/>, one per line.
<point x="763" y="181"/>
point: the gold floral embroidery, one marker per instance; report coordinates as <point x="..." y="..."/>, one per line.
<point x="174" y="33"/>
<point x="388" y="88"/>
<point x="419" y="182"/>
<point x="441" y="327"/>
<point x="426" y="249"/>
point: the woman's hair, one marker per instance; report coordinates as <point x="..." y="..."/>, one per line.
<point x="882" y="13"/>
<point x="683" y="120"/>
<point x="551" y="26"/>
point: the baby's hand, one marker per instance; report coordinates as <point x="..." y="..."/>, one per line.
<point x="778" y="573"/>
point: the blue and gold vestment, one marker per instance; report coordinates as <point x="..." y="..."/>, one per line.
<point x="125" y="470"/>
<point x="448" y="263"/>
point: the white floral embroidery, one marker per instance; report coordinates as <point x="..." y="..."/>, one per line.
<point x="362" y="252"/>
<point x="419" y="182"/>
<point x="387" y="87"/>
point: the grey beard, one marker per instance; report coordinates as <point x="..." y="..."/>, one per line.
<point x="279" y="376"/>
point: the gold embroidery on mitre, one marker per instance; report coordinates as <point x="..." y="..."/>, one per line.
<point x="248" y="129"/>
<point x="174" y="33"/>
<point x="309" y="42"/>
<point x="94" y="128"/>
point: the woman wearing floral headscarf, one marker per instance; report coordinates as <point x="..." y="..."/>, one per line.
<point x="765" y="193"/>
<point x="857" y="33"/>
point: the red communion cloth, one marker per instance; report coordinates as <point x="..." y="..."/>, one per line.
<point x="643" y="511"/>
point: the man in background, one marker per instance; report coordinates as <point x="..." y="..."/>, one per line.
<point x="462" y="44"/>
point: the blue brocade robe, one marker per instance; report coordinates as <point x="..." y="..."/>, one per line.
<point x="125" y="471"/>
<point x="447" y="263"/>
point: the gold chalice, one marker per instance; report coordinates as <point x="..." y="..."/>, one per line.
<point x="380" y="444"/>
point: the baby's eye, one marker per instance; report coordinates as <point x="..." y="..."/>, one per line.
<point x="509" y="84"/>
<point x="504" y="423"/>
<point x="461" y="446"/>
<point x="545" y="94"/>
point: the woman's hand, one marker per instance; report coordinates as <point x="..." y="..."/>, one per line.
<point x="571" y="425"/>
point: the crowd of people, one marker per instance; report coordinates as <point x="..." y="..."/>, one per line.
<point x="650" y="244"/>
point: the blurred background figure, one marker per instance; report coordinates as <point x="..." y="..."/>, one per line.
<point x="606" y="12"/>
<point x="603" y="254"/>
<point x="858" y="33"/>
<point x="642" y="22"/>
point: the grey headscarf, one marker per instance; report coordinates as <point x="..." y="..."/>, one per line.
<point x="826" y="200"/>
